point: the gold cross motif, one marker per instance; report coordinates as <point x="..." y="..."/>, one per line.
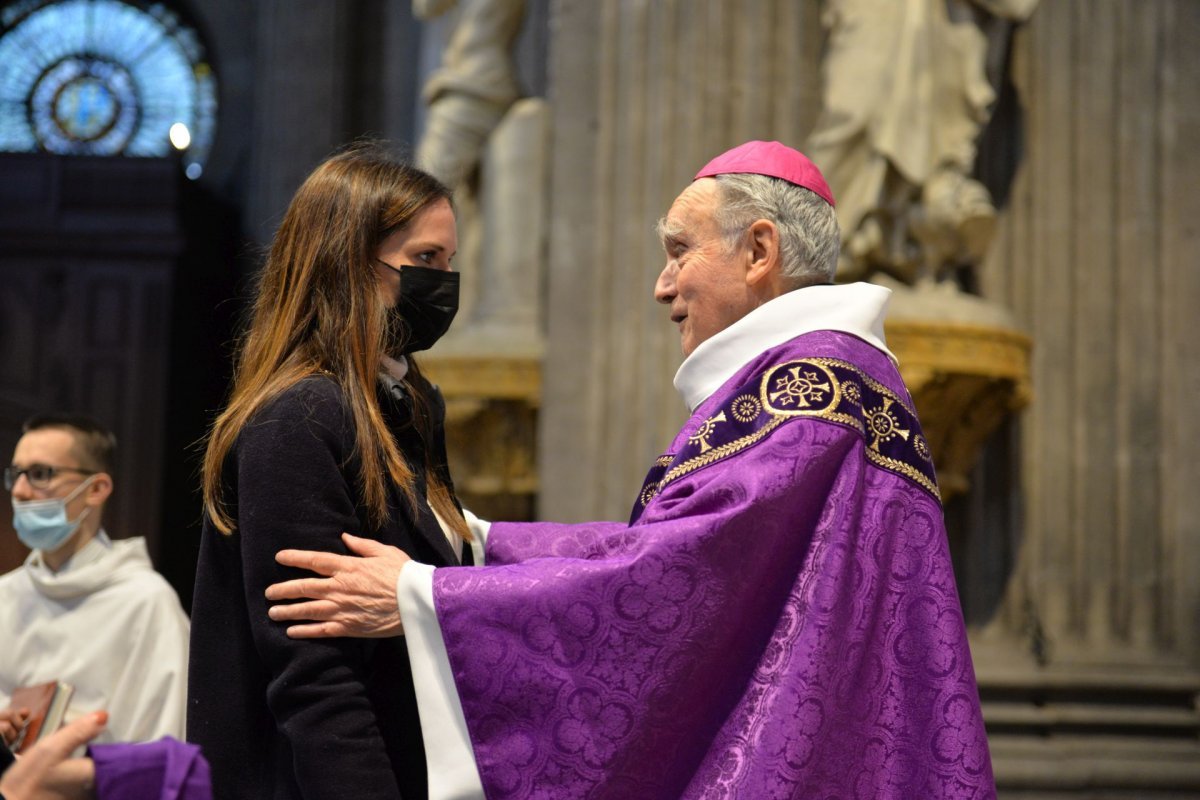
<point x="883" y="426"/>
<point x="801" y="389"/>
<point x="700" y="437"/>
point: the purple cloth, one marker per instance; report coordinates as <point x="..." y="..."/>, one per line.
<point x="167" y="769"/>
<point x="779" y="620"/>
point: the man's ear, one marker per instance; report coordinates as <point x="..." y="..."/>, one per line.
<point x="99" y="489"/>
<point x="764" y="252"/>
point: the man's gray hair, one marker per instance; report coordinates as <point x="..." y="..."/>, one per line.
<point x="809" y="240"/>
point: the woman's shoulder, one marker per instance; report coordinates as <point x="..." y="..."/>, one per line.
<point x="319" y="391"/>
<point x="315" y="401"/>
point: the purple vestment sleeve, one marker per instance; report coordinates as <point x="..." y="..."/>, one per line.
<point x="166" y="769"/>
<point x="523" y="541"/>
<point x="778" y="620"/>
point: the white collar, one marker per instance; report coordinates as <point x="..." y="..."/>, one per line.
<point x="854" y="308"/>
<point x="395" y="367"/>
<point x="92" y="551"/>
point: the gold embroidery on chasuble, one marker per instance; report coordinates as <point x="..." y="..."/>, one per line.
<point x="824" y="388"/>
<point x="705" y="430"/>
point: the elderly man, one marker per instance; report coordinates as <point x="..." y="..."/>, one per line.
<point x="84" y="609"/>
<point x="778" y="618"/>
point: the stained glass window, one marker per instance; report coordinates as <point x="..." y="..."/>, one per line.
<point x="104" y="77"/>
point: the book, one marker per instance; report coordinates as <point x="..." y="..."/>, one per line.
<point x="47" y="704"/>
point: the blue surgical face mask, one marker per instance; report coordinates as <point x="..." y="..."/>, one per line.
<point x="43" y="524"/>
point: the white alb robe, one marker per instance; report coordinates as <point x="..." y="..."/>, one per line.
<point x="107" y="624"/>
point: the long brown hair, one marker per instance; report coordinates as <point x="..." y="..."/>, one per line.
<point x="318" y="309"/>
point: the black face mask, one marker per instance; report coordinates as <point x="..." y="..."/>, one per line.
<point x="425" y="306"/>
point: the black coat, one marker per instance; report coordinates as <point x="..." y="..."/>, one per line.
<point x="314" y="719"/>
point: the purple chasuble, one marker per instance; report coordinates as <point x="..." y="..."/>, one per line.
<point x="167" y="769"/>
<point x="778" y="620"/>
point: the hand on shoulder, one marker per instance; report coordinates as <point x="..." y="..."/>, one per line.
<point x="356" y="597"/>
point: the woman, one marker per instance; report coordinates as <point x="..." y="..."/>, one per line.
<point x="330" y="427"/>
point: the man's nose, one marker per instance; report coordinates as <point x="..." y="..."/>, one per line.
<point x="664" y="287"/>
<point x="21" y="489"/>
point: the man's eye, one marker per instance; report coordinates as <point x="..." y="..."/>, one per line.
<point x="427" y="257"/>
<point x="39" y="472"/>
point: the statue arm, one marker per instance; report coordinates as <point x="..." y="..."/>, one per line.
<point x="426" y="10"/>
<point x="1014" y="10"/>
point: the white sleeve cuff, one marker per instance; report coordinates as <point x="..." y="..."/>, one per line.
<point x="479" y="533"/>
<point x="453" y="773"/>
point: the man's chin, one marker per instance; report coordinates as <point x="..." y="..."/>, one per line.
<point x="686" y="345"/>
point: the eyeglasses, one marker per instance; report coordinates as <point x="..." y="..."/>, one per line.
<point x="38" y="475"/>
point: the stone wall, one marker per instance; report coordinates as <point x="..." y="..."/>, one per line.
<point x="1097" y="257"/>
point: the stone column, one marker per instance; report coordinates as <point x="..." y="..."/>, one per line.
<point x="1096" y="649"/>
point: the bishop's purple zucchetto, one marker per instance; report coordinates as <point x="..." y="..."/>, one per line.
<point x="772" y="159"/>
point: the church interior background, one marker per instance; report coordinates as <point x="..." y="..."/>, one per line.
<point x="1034" y="210"/>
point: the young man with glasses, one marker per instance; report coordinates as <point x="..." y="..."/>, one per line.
<point x="84" y="609"/>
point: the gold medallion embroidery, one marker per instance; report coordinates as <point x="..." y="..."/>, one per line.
<point x="883" y="425"/>
<point x="852" y="392"/>
<point x="700" y="437"/>
<point x="826" y="388"/>
<point x="922" y="447"/>
<point x="746" y="407"/>
<point x="805" y="388"/>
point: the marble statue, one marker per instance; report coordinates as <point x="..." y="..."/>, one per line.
<point x="473" y="87"/>
<point x="489" y="144"/>
<point x="906" y="95"/>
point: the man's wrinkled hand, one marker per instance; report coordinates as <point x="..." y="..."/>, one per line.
<point x="46" y="771"/>
<point x="12" y="720"/>
<point x="355" y="595"/>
